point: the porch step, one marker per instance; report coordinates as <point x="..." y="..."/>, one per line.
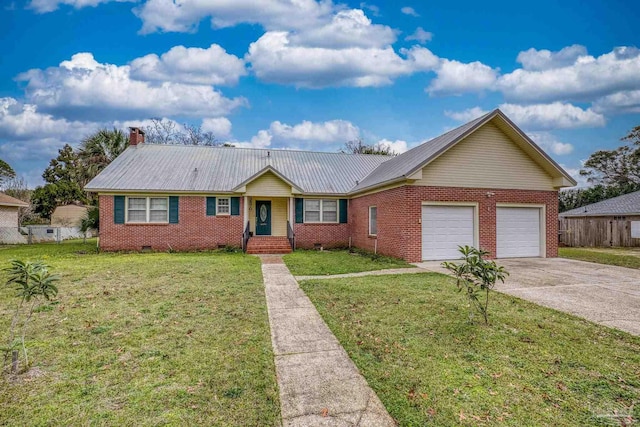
<point x="268" y="245"/>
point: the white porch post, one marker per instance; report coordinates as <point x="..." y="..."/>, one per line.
<point x="246" y="212"/>
<point x="292" y="211"/>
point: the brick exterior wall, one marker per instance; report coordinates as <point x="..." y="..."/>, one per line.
<point x="195" y="230"/>
<point x="400" y="214"/>
<point x="9" y="216"/>
<point x="328" y="235"/>
<point x="399" y="223"/>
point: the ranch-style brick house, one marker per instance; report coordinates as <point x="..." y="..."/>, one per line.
<point x="484" y="184"/>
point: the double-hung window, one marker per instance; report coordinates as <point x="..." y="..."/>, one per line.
<point x="147" y="209"/>
<point x="321" y="210"/>
<point x="373" y="220"/>
<point x="223" y="207"/>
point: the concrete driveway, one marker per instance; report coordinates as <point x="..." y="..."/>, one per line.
<point x="604" y="294"/>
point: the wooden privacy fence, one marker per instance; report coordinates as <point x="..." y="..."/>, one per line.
<point x="590" y="231"/>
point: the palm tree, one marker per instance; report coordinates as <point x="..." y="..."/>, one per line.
<point x="98" y="150"/>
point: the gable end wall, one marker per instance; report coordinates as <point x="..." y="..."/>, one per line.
<point x="488" y="159"/>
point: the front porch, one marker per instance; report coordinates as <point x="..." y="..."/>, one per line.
<point x="268" y="225"/>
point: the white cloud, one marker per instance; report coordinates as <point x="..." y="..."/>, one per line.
<point x="466" y="115"/>
<point x="23" y="121"/>
<point x="305" y="135"/>
<point x="275" y="59"/>
<point x="398" y="146"/>
<point x="586" y="78"/>
<point x="219" y="126"/>
<point x="211" y="66"/>
<point x="329" y="132"/>
<point x="420" y="35"/>
<point x="83" y="87"/>
<point x="620" y="102"/>
<point x="185" y="15"/>
<point x="550" y="143"/>
<point x="375" y="10"/>
<point x="556" y="115"/>
<point x="261" y="140"/>
<point x="348" y="28"/>
<point x="455" y="78"/>
<point x="409" y="11"/>
<point x="544" y="59"/>
<point x="44" y="6"/>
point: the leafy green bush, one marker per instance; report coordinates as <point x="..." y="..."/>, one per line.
<point x="32" y="281"/>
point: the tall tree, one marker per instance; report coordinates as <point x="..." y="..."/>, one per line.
<point x="164" y="131"/>
<point x="6" y="172"/>
<point x="612" y="173"/>
<point x="96" y="151"/>
<point x="618" y="167"/>
<point x="65" y="179"/>
<point x="358" y="146"/>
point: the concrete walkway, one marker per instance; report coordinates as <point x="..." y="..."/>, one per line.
<point x="368" y="273"/>
<point x="319" y="384"/>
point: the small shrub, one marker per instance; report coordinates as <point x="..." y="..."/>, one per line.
<point x="476" y="276"/>
<point x="32" y="281"/>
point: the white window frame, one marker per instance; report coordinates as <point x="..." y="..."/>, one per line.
<point x="147" y="210"/>
<point x="322" y="221"/>
<point x="369" y="227"/>
<point x="218" y="205"/>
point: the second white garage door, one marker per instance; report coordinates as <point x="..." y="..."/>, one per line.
<point x="518" y="232"/>
<point x="444" y="228"/>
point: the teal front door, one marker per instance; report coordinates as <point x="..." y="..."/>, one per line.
<point x="263" y="218"/>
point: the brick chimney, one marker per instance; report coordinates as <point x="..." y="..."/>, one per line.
<point x="136" y="136"/>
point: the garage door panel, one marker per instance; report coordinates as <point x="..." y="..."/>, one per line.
<point x="518" y="232"/>
<point x="444" y="228"/>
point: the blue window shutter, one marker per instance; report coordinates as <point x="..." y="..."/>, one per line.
<point x="118" y="209"/>
<point x="211" y="206"/>
<point x="235" y="206"/>
<point x="173" y="209"/>
<point x="299" y="211"/>
<point x="344" y="213"/>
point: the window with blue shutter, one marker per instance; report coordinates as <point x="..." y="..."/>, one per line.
<point x="211" y="206"/>
<point x="118" y="209"/>
<point x="299" y="211"/>
<point x="235" y="206"/>
<point x="344" y="213"/>
<point x="173" y="209"/>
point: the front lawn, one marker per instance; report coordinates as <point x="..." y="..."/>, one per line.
<point x="143" y="339"/>
<point x="410" y="337"/>
<point x="321" y="263"/>
<point x="623" y="257"/>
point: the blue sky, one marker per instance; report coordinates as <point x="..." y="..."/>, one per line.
<point x="311" y="74"/>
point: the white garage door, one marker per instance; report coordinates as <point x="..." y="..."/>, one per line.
<point x="518" y="232"/>
<point x="444" y="228"/>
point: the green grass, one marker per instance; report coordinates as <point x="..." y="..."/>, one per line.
<point x="322" y="263"/>
<point x="143" y="339"/>
<point x="410" y="337"/>
<point x="623" y="257"/>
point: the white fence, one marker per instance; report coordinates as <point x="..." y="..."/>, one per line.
<point x="39" y="233"/>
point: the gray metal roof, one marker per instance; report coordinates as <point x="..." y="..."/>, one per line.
<point x="154" y="167"/>
<point x="150" y="167"/>
<point x="408" y="162"/>
<point x="627" y="204"/>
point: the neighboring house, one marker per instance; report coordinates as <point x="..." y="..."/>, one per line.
<point x="68" y="215"/>
<point x="9" y="223"/>
<point x="9" y="207"/>
<point x="484" y="184"/>
<point x="611" y="222"/>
